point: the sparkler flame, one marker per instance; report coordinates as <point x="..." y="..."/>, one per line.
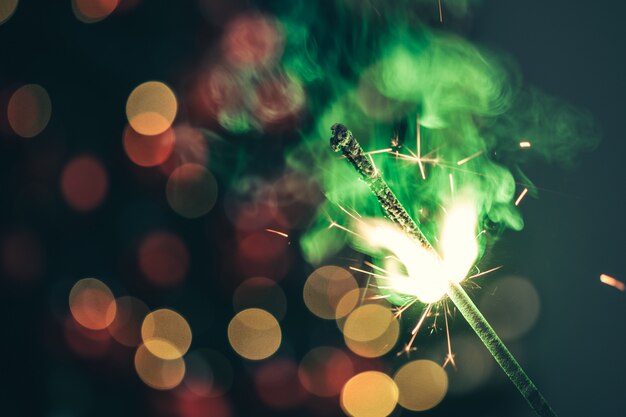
<point x="425" y="274"/>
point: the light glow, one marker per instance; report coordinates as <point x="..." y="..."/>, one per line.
<point x="427" y="275"/>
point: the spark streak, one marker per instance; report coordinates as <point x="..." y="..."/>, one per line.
<point x="469" y="158"/>
<point x="418" y="139"/>
<point x="613" y="282"/>
<point x="521" y="196"/>
<point x="524" y="144"/>
<point x="276" y="232"/>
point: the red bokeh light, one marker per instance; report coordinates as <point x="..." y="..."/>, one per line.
<point x="252" y="41"/>
<point x="85" y="342"/>
<point x="163" y="258"/>
<point x="190" y="148"/>
<point x="84" y="183"/>
<point x="23" y="256"/>
<point x="148" y="151"/>
<point x="278" y="386"/>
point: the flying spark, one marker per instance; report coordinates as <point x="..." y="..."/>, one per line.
<point x="276" y="232"/>
<point x="524" y="144"/>
<point x="521" y="196"/>
<point x="469" y="158"/>
<point x="613" y="282"/>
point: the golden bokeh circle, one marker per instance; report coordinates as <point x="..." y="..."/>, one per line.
<point x="422" y="385"/>
<point x="254" y="334"/>
<point x="166" y="334"/>
<point x="156" y="372"/>
<point x="29" y="110"/>
<point x="92" y="304"/>
<point x="324" y="289"/>
<point x="151" y="108"/>
<point x="369" y="394"/>
<point x="7" y="8"/>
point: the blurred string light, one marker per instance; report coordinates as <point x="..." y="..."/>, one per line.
<point x="91" y="11"/>
<point x="369" y="394"/>
<point x="7" y="8"/>
<point x="209" y="373"/>
<point x="277" y="384"/>
<point x="512" y="305"/>
<point x="262" y="293"/>
<point x="163" y="258"/>
<point x="87" y="343"/>
<point x="190" y="148"/>
<point x="422" y="384"/>
<point x="126" y="326"/>
<point x="29" y="110"/>
<point x="253" y="41"/>
<point x="156" y="372"/>
<point x="371" y="330"/>
<point x="22" y="256"/>
<point x="149" y="151"/>
<point x="166" y="334"/>
<point x="324" y="289"/>
<point x="92" y="304"/>
<point x="324" y="370"/>
<point x="247" y="89"/>
<point x="191" y="190"/>
<point x="84" y="183"/>
<point x="254" y="334"/>
<point x="151" y="108"/>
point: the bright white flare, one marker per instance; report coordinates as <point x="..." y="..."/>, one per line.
<point x="427" y="275"/>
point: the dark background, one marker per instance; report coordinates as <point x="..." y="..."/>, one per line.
<point x="574" y="230"/>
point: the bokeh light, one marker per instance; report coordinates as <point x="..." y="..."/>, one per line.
<point x="191" y="190"/>
<point x="474" y="365"/>
<point x="29" y="110"/>
<point x="324" y="371"/>
<point x="129" y="315"/>
<point x="148" y="151"/>
<point x="278" y="386"/>
<point x="263" y="293"/>
<point x="92" y="303"/>
<point x="209" y="373"/>
<point x="163" y="258"/>
<point x="7" y="8"/>
<point x="278" y="100"/>
<point x="90" y="11"/>
<point x="511" y="305"/>
<point x="369" y="394"/>
<point x="166" y="334"/>
<point x="254" y="334"/>
<point x="151" y="108"/>
<point x="422" y="385"/>
<point x="22" y="256"/>
<point x="156" y="372"/>
<point x="87" y="343"/>
<point x="325" y="287"/>
<point x="84" y="183"/>
<point x="371" y="330"/>
<point x="253" y="41"/>
<point x="190" y="147"/>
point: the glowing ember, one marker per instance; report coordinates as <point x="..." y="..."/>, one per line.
<point x="521" y="196"/>
<point x="613" y="282"/>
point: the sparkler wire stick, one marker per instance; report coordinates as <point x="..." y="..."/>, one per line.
<point x="343" y="141"/>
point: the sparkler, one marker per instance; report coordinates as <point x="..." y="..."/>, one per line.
<point x="343" y="141"/>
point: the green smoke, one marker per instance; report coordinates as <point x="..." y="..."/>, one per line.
<point x="377" y="78"/>
<point x="376" y="67"/>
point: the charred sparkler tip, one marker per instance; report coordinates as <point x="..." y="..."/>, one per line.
<point x="341" y="137"/>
